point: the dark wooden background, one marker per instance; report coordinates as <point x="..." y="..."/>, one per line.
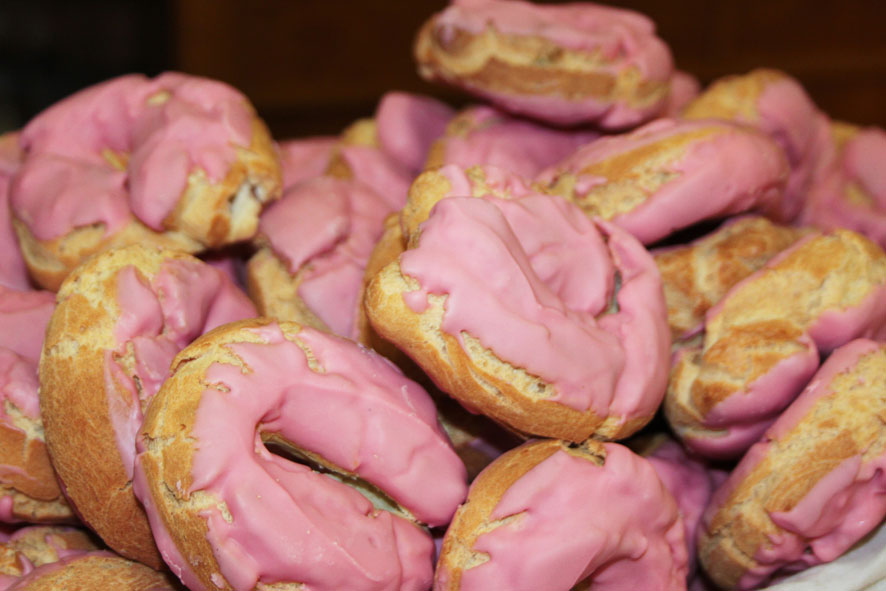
<point x="312" y="66"/>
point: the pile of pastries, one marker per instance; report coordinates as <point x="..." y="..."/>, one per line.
<point x="602" y="329"/>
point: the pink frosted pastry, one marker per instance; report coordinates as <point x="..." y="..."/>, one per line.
<point x="305" y="158"/>
<point x="32" y="547"/>
<point x="697" y="275"/>
<point x="761" y="342"/>
<point x="549" y="515"/>
<point x="408" y="124"/>
<point x="94" y="570"/>
<point x="524" y="309"/>
<point x="315" y="243"/>
<point x="483" y="135"/>
<point x="684" y="88"/>
<point x="28" y="487"/>
<point x="814" y="484"/>
<point x="175" y="160"/>
<point x="13" y="272"/>
<point x="359" y="156"/>
<point x="228" y="513"/>
<point x="562" y="64"/>
<point x="689" y="480"/>
<point x="671" y="174"/>
<point x="850" y="191"/>
<point x="778" y="105"/>
<point x="120" y="319"/>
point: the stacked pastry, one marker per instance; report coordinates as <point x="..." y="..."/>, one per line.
<point x="447" y="346"/>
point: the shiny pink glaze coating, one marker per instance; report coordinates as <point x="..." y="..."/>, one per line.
<point x="24" y="316"/>
<point x="718" y="174"/>
<point x="531" y="279"/>
<point x="625" y="39"/>
<point x="746" y="414"/>
<point x="12" y="267"/>
<point x="384" y="175"/>
<point x="159" y="318"/>
<point x="290" y="523"/>
<point x="839" y="509"/>
<point x="303" y="159"/>
<point x="615" y="523"/>
<point x="860" y="163"/>
<point x="691" y="482"/>
<point x="408" y="124"/>
<point x="66" y="182"/>
<point x="517" y="145"/>
<point x="684" y="88"/>
<point x="330" y="225"/>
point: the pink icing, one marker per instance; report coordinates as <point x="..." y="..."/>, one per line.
<point x="624" y="38"/>
<point x="375" y="168"/>
<point x="745" y="415"/>
<point x="34" y="575"/>
<point x="159" y="317"/>
<point x="531" y="278"/>
<point x="859" y="163"/>
<point x="371" y="421"/>
<point x="523" y="147"/>
<point x="684" y="88"/>
<point x="306" y="158"/>
<point x="691" y="482"/>
<point x="840" y="508"/>
<point x="24" y="316"/>
<point x="65" y="181"/>
<point x="12" y="267"/>
<point x="732" y="170"/>
<point x="407" y="125"/>
<point x="18" y="385"/>
<point x="560" y="536"/>
<point x="330" y="225"/>
<point x="790" y="117"/>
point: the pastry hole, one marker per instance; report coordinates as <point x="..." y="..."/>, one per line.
<point x="278" y="446"/>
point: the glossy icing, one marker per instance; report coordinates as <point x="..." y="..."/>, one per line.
<point x="620" y="40"/>
<point x="327" y="228"/>
<point x="158" y="317"/>
<point x="144" y="138"/>
<point x="493" y="138"/>
<point x="535" y="270"/>
<point x="360" y="414"/>
<point x="24" y="316"/>
<point x="851" y="189"/>
<point x="12" y="267"/>
<point x="305" y="158"/>
<point x="685" y="171"/>
<point x="558" y="535"/>
<point x="408" y="124"/>
<point x="839" y="509"/>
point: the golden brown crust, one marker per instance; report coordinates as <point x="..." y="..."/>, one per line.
<point x="42" y="544"/>
<point x="75" y="404"/>
<point x="169" y="447"/>
<point x="224" y="212"/>
<point x="473" y="518"/>
<point x="471" y="373"/>
<point x="274" y="290"/>
<point x="29" y="479"/>
<point x="631" y="177"/>
<point x="733" y="97"/>
<point x="206" y="216"/>
<point x="50" y="261"/>
<point x="528" y="65"/>
<point x="696" y="276"/>
<point x="765" y="320"/>
<point x="845" y="424"/>
<point x="98" y="571"/>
